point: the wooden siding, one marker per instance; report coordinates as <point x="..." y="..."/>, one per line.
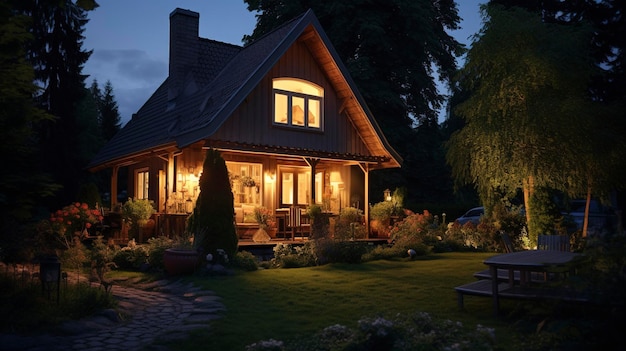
<point x="252" y="121"/>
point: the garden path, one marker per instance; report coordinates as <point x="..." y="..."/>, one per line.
<point x="147" y="315"/>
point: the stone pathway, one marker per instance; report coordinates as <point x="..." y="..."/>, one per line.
<point x="147" y="315"/>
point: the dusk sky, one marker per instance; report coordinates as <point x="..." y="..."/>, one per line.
<point x="130" y="40"/>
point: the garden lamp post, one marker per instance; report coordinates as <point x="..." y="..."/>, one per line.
<point x="50" y="275"/>
<point x="387" y="195"/>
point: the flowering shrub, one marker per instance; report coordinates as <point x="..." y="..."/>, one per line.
<point x="71" y="219"/>
<point x="290" y="256"/>
<point x="412" y="224"/>
<point x="266" y="345"/>
<point x="74" y="218"/>
<point x="417" y="331"/>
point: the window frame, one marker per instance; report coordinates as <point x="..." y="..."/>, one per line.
<point x="290" y="95"/>
<point x="142" y="185"/>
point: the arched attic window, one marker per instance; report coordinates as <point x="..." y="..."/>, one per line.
<point x="298" y="103"/>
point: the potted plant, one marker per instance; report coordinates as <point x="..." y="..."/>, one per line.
<point x="267" y="224"/>
<point x="137" y="212"/>
<point x="182" y="257"/>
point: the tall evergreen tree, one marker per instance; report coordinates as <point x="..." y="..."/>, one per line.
<point x="58" y="58"/>
<point x="212" y="222"/>
<point x="110" y="122"/>
<point x="22" y="183"/>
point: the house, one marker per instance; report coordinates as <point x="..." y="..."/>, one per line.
<point x="283" y="112"/>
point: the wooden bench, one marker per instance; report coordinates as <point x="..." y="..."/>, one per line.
<point x="483" y="287"/>
<point x="503" y="275"/>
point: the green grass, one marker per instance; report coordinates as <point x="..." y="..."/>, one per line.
<point x="286" y="304"/>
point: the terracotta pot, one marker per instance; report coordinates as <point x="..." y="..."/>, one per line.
<point x="180" y="261"/>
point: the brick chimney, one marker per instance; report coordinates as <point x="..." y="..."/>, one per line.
<point x="184" y="42"/>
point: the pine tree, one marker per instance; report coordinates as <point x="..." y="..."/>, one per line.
<point x="22" y="183"/>
<point x="57" y="56"/>
<point x="110" y="122"/>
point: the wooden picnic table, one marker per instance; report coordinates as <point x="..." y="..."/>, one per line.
<point x="526" y="262"/>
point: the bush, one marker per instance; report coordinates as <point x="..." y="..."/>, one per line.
<point x="418" y="331"/>
<point x="289" y="256"/>
<point x="349" y="225"/>
<point x="156" y="248"/>
<point x="26" y="310"/>
<point x="132" y="256"/>
<point x="397" y="250"/>
<point x="414" y="224"/>
<point x="380" y="252"/>
<point x="246" y="261"/>
<point x="335" y="251"/>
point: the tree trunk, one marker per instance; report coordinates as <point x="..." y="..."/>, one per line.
<point x="587" y="205"/>
<point x="528" y="189"/>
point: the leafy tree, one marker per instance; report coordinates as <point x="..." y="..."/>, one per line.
<point x="212" y="222"/>
<point x="529" y="107"/>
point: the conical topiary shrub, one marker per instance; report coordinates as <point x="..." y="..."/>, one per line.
<point x="212" y="221"/>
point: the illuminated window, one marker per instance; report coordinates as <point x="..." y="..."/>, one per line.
<point x="246" y="182"/>
<point x="295" y="187"/>
<point x="143" y="180"/>
<point x="297" y="103"/>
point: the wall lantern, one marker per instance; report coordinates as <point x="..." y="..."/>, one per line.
<point x="50" y="275"/>
<point x="387" y="195"/>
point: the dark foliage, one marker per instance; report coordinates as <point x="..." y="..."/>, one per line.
<point x="212" y="221"/>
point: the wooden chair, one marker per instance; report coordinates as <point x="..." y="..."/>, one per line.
<point x="508" y="244"/>
<point x="553" y="242"/>
<point x="298" y="223"/>
<point x="294" y="220"/>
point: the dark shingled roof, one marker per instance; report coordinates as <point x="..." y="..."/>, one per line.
<point x="223" y="76"/>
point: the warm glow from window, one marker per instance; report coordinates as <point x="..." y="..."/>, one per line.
<point x="246" y="180"/>
<point x="297" y="103"/>
<point x="296" y="186"/>
<point x="298" y="86"/>
<point x="143" y="181"/>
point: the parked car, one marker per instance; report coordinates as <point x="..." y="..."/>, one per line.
<point x="601" y="218"/>
<point x="473" y="215"/>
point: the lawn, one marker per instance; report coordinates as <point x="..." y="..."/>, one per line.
<point x="286" y="304"/>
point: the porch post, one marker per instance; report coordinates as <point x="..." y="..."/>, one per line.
<point x="312" y="163"/>
<point x="366" y="206"/>
<point x="170" y="177"/>
<point x="114" y="187"/>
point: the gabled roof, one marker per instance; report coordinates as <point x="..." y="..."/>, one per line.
<point x="225" y="76"/>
